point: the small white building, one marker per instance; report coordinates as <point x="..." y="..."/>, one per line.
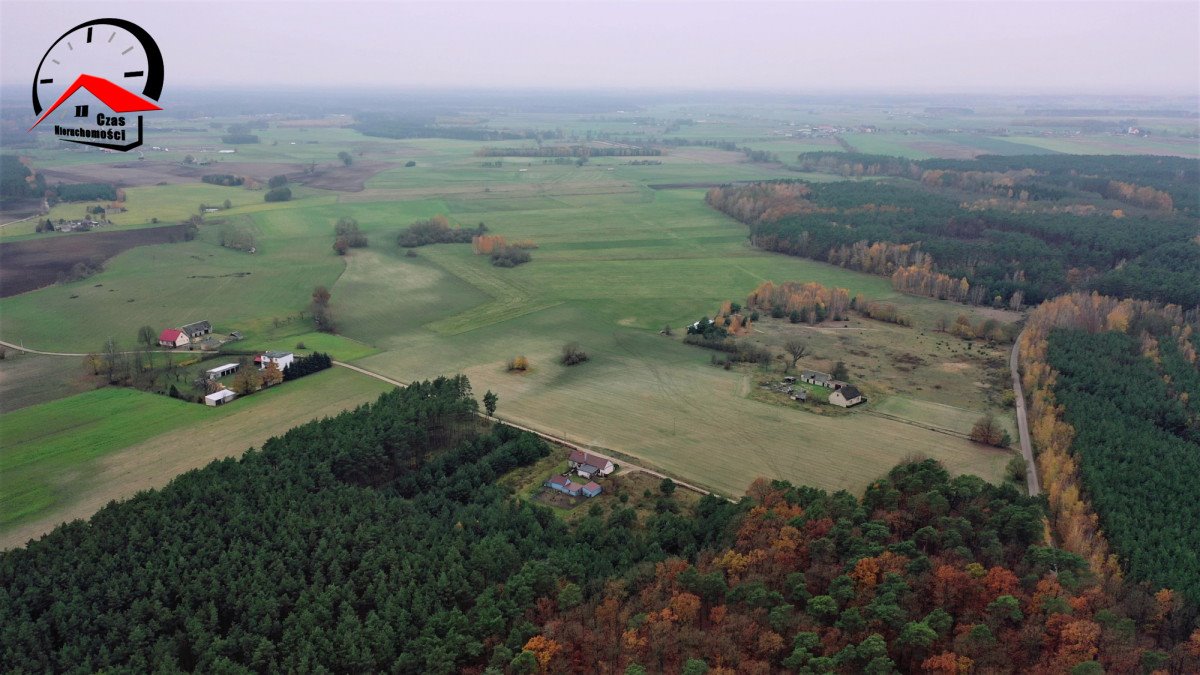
<point x="221" y="371"/>
<point x="280" y="359"/>
<point x="219" y="397"/>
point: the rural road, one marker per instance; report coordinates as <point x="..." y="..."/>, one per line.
<point x="544" y="436"/>
<point x="21" y="348"/>
<point x="1035" y="487"/>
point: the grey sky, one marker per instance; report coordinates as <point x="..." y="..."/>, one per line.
<point x="1001" y="47"/>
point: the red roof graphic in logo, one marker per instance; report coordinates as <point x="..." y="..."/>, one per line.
<point x="118" y="99"/>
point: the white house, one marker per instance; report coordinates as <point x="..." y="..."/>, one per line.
<point x="845" y="396"/>
<point x="280" y="359"/>
<point x="219" y="397"/>
<point x="221" y="371"/>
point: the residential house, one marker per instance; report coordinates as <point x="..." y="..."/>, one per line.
<point x="219" y="397"/>
<point x="588" y="465"/>
<point x="846" y="396"/>
<point x="280" y="359"/>
<point x="221" y="371"/>
<point x="173" y="337"/>
<point x="195" y="330"/>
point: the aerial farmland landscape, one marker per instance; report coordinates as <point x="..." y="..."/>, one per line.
<point x="429" y="373"/>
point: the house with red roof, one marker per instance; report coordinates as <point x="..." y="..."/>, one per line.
<point x="589" y="465"/>
<point x="173" y="337"/>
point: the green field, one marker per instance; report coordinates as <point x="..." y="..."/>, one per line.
<point x="64" y="459"/>
<point x="616" y="261"/>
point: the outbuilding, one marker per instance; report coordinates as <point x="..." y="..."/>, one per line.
<point x="221" y="371"/>
<point x="195" y="330"/>
<point x="591" y="489"/>
<point x="219" y="397"/>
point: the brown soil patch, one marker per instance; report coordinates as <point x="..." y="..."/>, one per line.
<point x="954" y="366"/>
<point x="34" y="263"/>
<point x="128" y="174"/>
<point x="351" y="178"/>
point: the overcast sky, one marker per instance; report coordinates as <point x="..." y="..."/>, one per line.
<point x="963" y="46"/>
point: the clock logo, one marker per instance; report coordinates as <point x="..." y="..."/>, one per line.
<point x="108" y="69"/>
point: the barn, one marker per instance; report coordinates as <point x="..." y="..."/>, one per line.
<point x="195" y="330"/>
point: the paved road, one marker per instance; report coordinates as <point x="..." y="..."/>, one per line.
<point x="1031" y="476"/>
<point x="543" y="435"/>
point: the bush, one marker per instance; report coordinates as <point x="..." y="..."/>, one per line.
<point x="988" y="432"/>
<point x="279" y="194"/>
<point x="436" y="230"/>
<point x="518" y="363"/>
<point x="573" y="354"/>
<point x="410" y="163"/>
<point x="1017" y="469"/>
<point x="226" y="179"/>
<point x="510" y="256"/>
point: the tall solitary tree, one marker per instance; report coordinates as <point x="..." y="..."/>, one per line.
<point x="147" y="337"/>
<point x="796" y="349"/>
<point x="489" y="402"/>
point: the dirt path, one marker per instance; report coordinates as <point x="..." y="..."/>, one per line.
<point x="557" y="440"/>
<point x="22" y="348"/>
<point x="1035" y="487"/>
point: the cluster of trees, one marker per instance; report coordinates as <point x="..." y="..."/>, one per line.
<point x="279" y="190"/>
<point x="18" y="181"/>
<point x="925" y="281"/>
<point x="924" y="574"/>
<point x="379" y="540"/>
<point x="80" y="192"/>
<point x="237" y="134"/>
<point x="579" y="151"/>
<point x="322" y="315"/>
<point x="983" y="329"/>
<point x="999" y="253"/>
<point x="1113" y="385"/>
<point x="226" y="179"/>
<point x="348" y="235"/>
<point x="713" y="334"/>
<point x="573" y="354"/>
<point x="880" y="311"/>
<point x="808" y="302"/>
<point x="501" y="252"/>
<point x="437" y="230"/>
<point x="306" y="365"/>
<point x="235" y="236"/>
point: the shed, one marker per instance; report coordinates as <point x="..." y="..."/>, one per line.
<point x="221" y="371"/>
<point x="816" y="377"/>
<point x="197" y="329"/>
<point x="591" y="489"/>
<point x="219" y="397"/>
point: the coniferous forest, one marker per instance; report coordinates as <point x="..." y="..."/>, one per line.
<point x="1028" y="228"/>
<point x="379" y="540"/>
<point x="1137" y="437"/>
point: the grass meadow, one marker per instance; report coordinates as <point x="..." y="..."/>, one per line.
<point x="64" y="459"/>
<point x="616" y="261"/>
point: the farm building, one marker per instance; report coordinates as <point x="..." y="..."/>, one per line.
<point x="195" y="330"/>
<point x="588" y="465"/>
<point x="221" y="371"/>
<point x="280" y="359"/>
<point x="801" y="395"/>
<point x="846" y="396"/>
<point x="219" y="397"/>
<point x="815" y="377"/>
<point x="591" y="489"/>
<point x="173" y="337"/>
<point x="564" y="485"/>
